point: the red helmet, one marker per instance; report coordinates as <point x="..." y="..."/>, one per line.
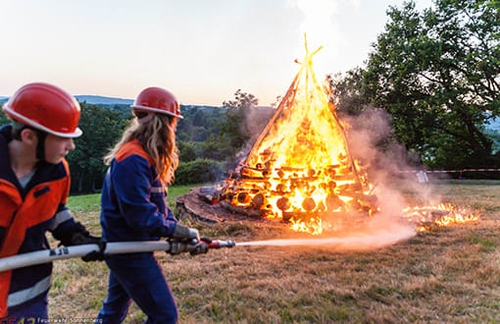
<point x="47" y="108"/>
<point x="157" y="100"/>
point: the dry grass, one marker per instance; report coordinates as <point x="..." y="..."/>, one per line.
<point x="447" y="275"/>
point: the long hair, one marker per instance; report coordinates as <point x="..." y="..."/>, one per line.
<point x="156" y="133"/>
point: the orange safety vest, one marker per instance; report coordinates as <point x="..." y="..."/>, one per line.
<point x="17" y="214"/>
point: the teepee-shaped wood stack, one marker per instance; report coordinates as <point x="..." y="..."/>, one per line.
<point x="300" y="168"/>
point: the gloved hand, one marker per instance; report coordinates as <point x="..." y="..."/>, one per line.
<point x="79" y="235"/>
<point x="177" y="248"/>
<point x="95" y="255"/>
<point x="200" y="248"/>
<point x="205" y="239"/>
<point x="184" y="233"/>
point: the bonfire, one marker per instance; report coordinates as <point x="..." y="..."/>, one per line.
<point x="301" y="170"/>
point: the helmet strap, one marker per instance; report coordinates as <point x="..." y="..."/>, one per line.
<point x="40" y="148"/>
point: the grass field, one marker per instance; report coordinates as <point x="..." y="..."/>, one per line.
<point x="450" y="274"/>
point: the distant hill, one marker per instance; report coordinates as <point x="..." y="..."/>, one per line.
<point x="100" y="100"/>
<point x="208" y="108"/>
<point x="120" y="103"/>
<point x="110" y="102"/>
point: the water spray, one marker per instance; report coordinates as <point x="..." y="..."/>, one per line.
<point x="374" y="239"/>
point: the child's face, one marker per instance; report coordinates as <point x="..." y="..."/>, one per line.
<point x="57" y="147"/>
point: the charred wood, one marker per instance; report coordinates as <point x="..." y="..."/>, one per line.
<point x="258" y="201"/>
<point x="243" y="210"/>
<point x="309" y="204"/>
<point x="283" y="204"/>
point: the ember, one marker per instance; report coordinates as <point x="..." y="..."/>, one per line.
<point x="300" y="169"/>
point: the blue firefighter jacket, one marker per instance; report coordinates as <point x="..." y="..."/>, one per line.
<point x="133" y="204"/>
<point x="26" y="214"/>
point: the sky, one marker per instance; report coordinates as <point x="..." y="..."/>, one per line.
<point x="201" y="50"/>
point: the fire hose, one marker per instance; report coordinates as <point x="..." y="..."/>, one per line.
<point x="76" y="251"/>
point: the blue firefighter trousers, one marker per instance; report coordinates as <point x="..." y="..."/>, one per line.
<point x="137" y="278"/>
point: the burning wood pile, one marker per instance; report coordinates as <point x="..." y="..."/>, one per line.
<point x="300" y="168"/>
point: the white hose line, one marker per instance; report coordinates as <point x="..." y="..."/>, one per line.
<point x="45" y="256"/>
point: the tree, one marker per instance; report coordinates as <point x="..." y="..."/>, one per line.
<point x="235" y="125"/>
<point x="198" y="171"/>
<point x="348" y="93"/>
<point x="187" y="150"/>
<point x="438" y="74"/>
<point x="101" y="130"/>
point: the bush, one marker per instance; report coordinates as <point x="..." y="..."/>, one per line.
<point x="198" y="171"/>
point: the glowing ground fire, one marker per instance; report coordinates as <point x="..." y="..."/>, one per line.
<point x="425" y="217"/>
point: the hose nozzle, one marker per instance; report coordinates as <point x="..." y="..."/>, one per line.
<point x="221" y="244"/>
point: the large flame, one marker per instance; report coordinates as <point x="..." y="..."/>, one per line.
<point x="300" y="168"/>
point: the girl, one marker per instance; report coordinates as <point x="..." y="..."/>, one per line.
<point x="134" y="209"/>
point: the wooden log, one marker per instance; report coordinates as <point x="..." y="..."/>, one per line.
<point x="250" y="168"/>
<point x="243" y="198"/>
<point x="257" y="201"/>
<point x="243" y="210"/>
<point x="342" y="177"/>
<point x="309" y="204"/>
<point x="283" y="203"/>
<point x="280" y="188"/>
<point x="333" y="202"/>
<point x="284" y="168"/>
<point x="209" y="194"/>
<point x="249" y="179"/>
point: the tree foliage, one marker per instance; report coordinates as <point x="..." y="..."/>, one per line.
<point x="437" y="72"/>
<point x="199" y="171"/>
<point x="235" y="127"/>
<point x="101" y="128"/>
<point x="199" y="123"/>
<point x="348" y="93"/>
<point x="3" y="117"/>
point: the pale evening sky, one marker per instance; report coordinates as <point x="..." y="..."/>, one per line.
<point x="201" y="50"/>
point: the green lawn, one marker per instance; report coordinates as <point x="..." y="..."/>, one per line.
<point x="92" y="202"/>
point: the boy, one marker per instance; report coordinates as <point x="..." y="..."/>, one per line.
<point x="34" y="186"/>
